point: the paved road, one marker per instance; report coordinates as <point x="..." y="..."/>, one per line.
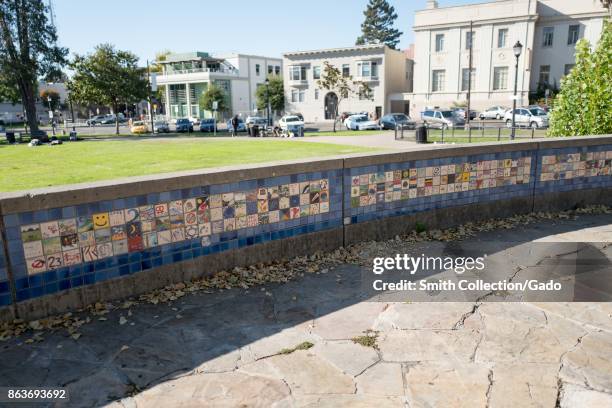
<point x="234" y="348"/>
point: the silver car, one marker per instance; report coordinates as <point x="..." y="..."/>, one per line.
<point x="442" y="118"/>
<point x="533" y="117"/>
<point x="161" y="126"/>
<point x="494" y="112"/>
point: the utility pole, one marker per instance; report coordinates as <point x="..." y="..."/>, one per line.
<point x="149" y="101"/>
<point x="469" y="92"/>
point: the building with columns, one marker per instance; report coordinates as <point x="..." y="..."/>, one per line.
<point x="185" y="77"/>
<point x="547" y="29"/>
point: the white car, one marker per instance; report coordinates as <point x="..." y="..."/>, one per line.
<point x="534" y="117"/>
<point x="494" y="112"/>
<point x="360" y="122"/>
<point x="256" y="120"/>
<point x="289" y="121"/>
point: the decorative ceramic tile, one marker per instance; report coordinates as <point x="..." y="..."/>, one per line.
<point x="568" y="166"/>
<point x="386" y="187"/>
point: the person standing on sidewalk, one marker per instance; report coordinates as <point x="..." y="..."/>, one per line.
<point x="235" y="126"/>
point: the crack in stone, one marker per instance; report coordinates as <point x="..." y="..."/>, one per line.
<point x="489" y="388"/>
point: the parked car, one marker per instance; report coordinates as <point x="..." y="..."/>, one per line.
<point x="534" y="117"/>
<point x="391" y="120"/>
<point x="461" y="112"/>
<point x="241" y="125"/>
<point x="256" y="120"/>
<point x="161" y="126"/>
<point x="361" y="122"/>
<point x="208" y="125"/>
<point x="139" y="127"/>
<point x="96" y="120"/>
<point x="195" y="121"/>
<point x="442" y="118"/>
<point x="299" y="115"/>
<point x="292" y="125"/>
<point x="184" y="125"/>
<point x="494" y="112"/>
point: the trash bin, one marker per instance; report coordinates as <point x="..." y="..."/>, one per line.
<point x="10" y="137"/>
<point x="255" y="130"/>
<point x="421" y="134"/>
<point x="73" y="135"/>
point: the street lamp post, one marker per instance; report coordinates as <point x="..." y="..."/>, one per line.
<point x="51" y="115"/>
<point x="267" y="82"/>
<point x="518" y="48"/>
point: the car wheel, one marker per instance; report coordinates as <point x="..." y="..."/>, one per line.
<point x="509" y="124"/>
<point x="534" y="125"/>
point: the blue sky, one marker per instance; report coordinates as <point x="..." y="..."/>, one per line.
<point x="268" y="27"/>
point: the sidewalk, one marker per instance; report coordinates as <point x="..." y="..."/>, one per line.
<point x="307" y="343"/>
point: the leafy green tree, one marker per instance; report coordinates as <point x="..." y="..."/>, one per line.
<point x="214" y="93"/>
<point x="275" y="92"/>
<point x="332" y="80"/>
<point x="582" y="106"/>
<point x="377" y="27"/>
<point x="28" y="51"/>
<point x="50" y="97"/>
<point x="107" y="77"/>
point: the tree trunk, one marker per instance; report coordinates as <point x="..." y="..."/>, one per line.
<point x="28" y="101"/>
<point x="115" y="109"/>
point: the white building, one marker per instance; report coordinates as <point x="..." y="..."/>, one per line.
<point x="186" y="76"/>
<point x="386" y="71"/>
<point x="547" y="29"/>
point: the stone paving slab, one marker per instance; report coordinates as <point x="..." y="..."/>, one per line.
<point x="237" y="347"/>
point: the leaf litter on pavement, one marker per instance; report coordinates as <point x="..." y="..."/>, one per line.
<point x="276" y="272"/>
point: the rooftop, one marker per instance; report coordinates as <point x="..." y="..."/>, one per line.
<point x="343" y="49"/>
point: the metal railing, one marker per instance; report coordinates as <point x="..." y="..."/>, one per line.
<point x="474" y="133"/>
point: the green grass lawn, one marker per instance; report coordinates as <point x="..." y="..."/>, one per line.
<point x="23" y="167"/>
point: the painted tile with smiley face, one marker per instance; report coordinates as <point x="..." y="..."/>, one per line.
<point x="100" y="220"/>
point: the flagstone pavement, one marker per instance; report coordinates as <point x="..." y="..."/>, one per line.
<point x="292" y="345"/>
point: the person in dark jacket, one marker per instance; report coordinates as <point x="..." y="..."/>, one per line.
<point x="235" y="125"/>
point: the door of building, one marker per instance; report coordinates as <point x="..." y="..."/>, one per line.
<point x="331" y="104"/>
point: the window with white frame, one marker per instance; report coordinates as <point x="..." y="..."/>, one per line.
<point x="500" y="78"/>
<point x="467" y="80"/>
<point x="316" y="72"/>
<point x="277" y="70"/>
<point x="544" y="78"/>
<point x="573" y="34"/>
<point x="367" y="69"/>
<point x="439" y="42"/>
<point x="297" y="95"/>
<point x="297" y="73"/>
<point x="438" y="77"/>
<point x="548" y="34"/>
<point x="502" y="37"/>
<point x="346" y="70"/>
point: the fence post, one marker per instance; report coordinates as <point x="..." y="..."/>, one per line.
<point x="469" y="134"/>
<point x="532" y="133"/>
<point x="498" y="134"/>
<point x="395" y="128"/>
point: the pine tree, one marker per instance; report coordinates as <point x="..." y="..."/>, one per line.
<point x="377" y="27"/>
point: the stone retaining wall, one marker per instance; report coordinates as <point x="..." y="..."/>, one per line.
<point x="64" y="248"/>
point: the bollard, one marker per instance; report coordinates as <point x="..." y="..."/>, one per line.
<point x="498" y="134"/>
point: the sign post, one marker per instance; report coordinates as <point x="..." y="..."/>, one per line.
<point x="215" y="106"/>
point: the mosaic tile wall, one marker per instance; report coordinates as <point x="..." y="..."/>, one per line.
<point x="5" y="288"/>
<point x="61" y="248"/>
<point x="422" y="185"/>
<point x="67" y="247"/>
